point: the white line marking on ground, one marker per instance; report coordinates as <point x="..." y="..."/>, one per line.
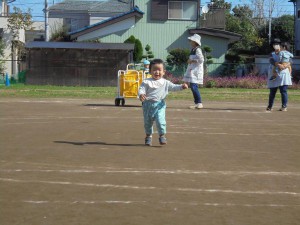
<point x="235" y="134"/>
<point x="175" y="172"/>
<point x="108" y="169"/>
<point x="159" y="202"/>
<point x="130" y="187"/>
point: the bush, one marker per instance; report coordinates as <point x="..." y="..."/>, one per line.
<point x="178" y="57"/>
<point x="210" y="84"/>
<point x="59" y="34"/>
<point x="138" y="48"/>
<point x="248" y="82"/>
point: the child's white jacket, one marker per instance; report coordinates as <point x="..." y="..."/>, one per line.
<point x="194" y="71"/>
<point x="157" y="90"/>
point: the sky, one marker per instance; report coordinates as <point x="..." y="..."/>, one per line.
<point x="37" y="6"/>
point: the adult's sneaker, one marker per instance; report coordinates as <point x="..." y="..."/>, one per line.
<point x="283" y="109"/>
<point x="199" y="106"/>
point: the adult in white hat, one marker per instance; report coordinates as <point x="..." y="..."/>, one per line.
<point x="194" y="72"/>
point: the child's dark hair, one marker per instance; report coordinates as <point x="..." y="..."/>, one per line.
<point x="156" y="61"/>
<point x="285" y="45"/>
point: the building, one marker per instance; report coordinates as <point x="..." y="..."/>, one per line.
<point x="162" y="24"/>
<point x="11" y="63"/>
<point x="74" y="15"/>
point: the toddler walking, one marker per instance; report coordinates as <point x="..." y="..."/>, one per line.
<point x="152" y="93"/>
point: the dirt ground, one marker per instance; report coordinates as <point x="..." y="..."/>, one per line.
<point x="83" y="162"/>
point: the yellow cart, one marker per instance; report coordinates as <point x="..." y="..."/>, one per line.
<point x="129" y="81"/>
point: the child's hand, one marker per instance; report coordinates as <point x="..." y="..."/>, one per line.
<point x="184" y="86"/>
<point x="281" y="67"/>
<point x="142" y="97"/>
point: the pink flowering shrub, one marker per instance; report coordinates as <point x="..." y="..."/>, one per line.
<point x="249" y="81"/>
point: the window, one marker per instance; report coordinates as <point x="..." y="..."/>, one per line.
<point x="182" y="10"/>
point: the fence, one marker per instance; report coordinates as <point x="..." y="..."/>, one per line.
<point x="212" y="70"/>
<point x="14" y="65"/>
<point x="233" y="69"/>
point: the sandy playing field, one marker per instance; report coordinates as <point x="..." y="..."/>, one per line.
<point x="83" y="162"/>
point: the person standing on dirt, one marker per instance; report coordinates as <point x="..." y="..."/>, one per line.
<point x="283" y="80"/>
<point x="152" y="94"/>
<point x="194" y="72"/>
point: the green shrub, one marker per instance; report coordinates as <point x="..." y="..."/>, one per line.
<point x="138" y="48"/>
<point x="178" y="57"/>
<point x="211" y="84"/>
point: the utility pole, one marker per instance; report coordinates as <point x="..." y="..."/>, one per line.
<point x="46" y="21"/>
<point x="271" y="8"/>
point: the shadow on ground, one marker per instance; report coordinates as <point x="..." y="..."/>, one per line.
<point x="111" y="105"/>
<point x="97" y="143"/>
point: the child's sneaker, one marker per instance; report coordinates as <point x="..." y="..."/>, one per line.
<point x="268" y="109"/>
<point x="283" y="109"/>
<point x="273" y="78"/>
<point x="148" y="140"/>
<point x="162" y="140"/>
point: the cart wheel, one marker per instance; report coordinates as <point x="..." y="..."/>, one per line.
<point x="117" y="102"/>
<point x="123" y="101"/>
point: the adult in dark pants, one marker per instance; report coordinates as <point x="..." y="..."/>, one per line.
<point x="282" y="82"/>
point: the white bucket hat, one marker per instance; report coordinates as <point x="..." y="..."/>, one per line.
<point x="196" y="38"/>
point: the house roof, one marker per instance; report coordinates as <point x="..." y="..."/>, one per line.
<point x="134" y="12"/>
<point x="111" y="6"/>
<point x="79" y="45"/>
<point x="217" y="33"/>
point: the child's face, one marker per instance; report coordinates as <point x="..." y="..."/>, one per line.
<point x="157" y="71"/>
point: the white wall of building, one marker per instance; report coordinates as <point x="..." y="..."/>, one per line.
<point x="54" y="24"/>
<point x="11" y="64"/>
<point x="7" y="40"/>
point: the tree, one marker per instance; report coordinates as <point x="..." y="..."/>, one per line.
<point x="138" y="48"/>
<point x="282" y="28"/>
<point x="220" y="4"/>
<point x="241" y="24"/>
<point x="242" y="12"/>
<point x="178" y="57"/>
<point x="138" y="51"/>
<point x="207" y="57"/>
<point x="2" y="47"/>
<point x="19" y="21"/>
<point x="149" y="53"/>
